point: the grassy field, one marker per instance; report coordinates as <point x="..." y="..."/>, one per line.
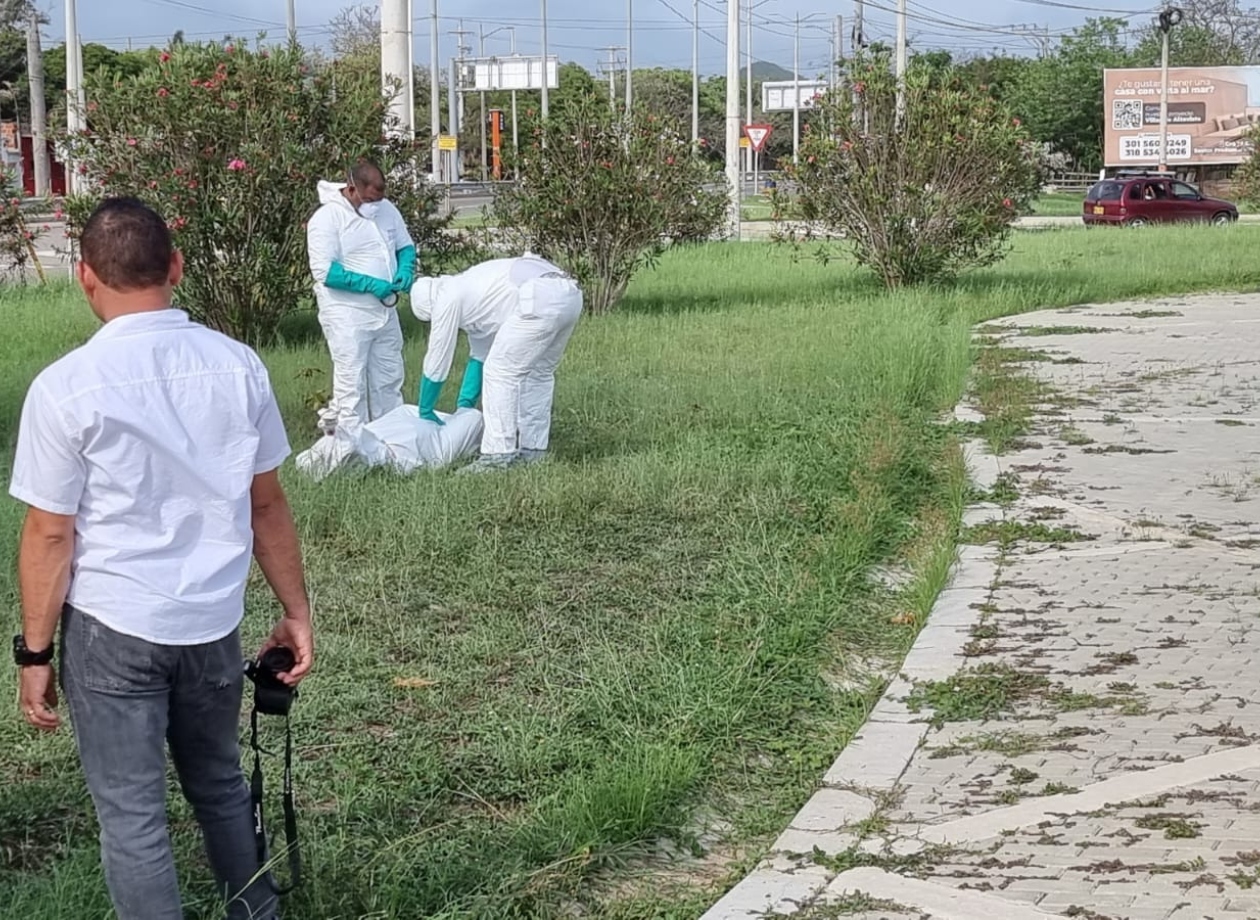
<point x="595" y="688"/>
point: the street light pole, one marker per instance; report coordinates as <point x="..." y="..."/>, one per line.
<point x="291" y="18"/>
<point x="1167" y="20"/>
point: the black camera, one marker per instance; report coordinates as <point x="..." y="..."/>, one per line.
<point x="272" y="697"/>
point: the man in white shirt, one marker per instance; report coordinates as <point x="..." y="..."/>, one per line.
<point x="361" y="257"/>
<point x="519" y="314"/>
<point x="148" y="459"/>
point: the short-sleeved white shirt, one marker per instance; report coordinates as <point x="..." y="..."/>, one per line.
<point x="151" y="435"/>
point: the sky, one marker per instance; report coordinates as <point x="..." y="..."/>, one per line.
<point x="579" y="29"/>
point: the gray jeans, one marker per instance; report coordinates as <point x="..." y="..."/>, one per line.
<point x="129" y="699"/>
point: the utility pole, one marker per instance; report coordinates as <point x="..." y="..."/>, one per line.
<point x="901" y="61"/>
<point x="292" y="22"/>
<point x="1168" y="19"/>
<point x="452" y="94"/>
<point x="796" y="93"/>
<point x="39" y="118"/>
<point x="481" y="53"/>
<point x="612" y="66"/>
<point x="837" y="50"/>
<point x="461" y="51"/>
<point x="435" y="91"/>
<point x="695" y="74"/>
<point x="859" y="44"/>
<point x="516" y="141"/>
<point x="74" y="83"/>
<point x="733" y="178"/>
<point x="629" y="53"/>
<point x="396" y="65"/>
<point x="748" y="94"/>
<point x="545" y="64"/>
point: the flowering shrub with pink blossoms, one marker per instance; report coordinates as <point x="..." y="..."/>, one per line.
<point x="228" y="142"/>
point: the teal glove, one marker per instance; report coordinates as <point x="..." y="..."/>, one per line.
<point x="429" y="392"/>
<point x="357" y="283"/>
<point x="470" y="392"/>
<point x="405" y="277"/>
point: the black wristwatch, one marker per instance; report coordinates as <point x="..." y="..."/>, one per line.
<point x="23" y="657"/>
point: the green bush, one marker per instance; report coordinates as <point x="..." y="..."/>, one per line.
<point x="228" y="142"/>
<point x="603" y="195"/>
<point x="924" y="197"/>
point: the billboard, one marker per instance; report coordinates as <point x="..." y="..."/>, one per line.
<point x="776" y="96"/>
<point x="1210" y="111"/>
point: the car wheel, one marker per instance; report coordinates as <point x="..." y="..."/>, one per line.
<point x="1224" y="217"/>
<point x="1137" y="222"/>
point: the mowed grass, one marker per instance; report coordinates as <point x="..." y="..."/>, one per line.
<point x="577" y="690"/>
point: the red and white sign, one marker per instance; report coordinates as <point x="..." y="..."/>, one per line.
<point x="758" y="135"/>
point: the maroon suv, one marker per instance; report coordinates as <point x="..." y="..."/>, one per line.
<point x="1154" y="198"/>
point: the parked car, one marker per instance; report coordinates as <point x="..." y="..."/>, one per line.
<point x="1153" y="198"/>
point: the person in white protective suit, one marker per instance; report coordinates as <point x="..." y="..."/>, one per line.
<point x="400" y="441"/>
<point x="361" y="257"/>
<point x="519" y="314"/>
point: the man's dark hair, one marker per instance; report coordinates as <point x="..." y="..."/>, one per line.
<point x="367" y="174"/>
<point x="127" y="244"/>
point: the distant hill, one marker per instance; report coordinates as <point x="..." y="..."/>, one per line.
<point x="764" y="70"/>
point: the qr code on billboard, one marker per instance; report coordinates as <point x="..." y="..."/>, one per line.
<point x="1126" y="114"/>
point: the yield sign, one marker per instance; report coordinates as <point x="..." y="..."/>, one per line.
<point x="758" y="135"/>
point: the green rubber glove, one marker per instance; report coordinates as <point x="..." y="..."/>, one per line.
<point x="355" y="282"/>
<point x="429" y="392"/>
<point x="405" y="277"/>
<point x="470" y="391"/>
<point x="381" y="290"/>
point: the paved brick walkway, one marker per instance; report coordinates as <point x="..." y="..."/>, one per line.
<point x="1074" y="734"/>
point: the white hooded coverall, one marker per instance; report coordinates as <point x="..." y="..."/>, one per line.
<point x="519" y="314"/>
<point x="364" y="336"/>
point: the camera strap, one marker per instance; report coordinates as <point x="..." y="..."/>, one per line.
<point x="290" y="810"/>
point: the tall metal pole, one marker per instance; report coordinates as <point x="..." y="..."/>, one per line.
<point x="733" y="178"/>
<point x="545" y="63"/>
<point x="796" y="93"/>
<point x="695" y="73"/>
<point x="292" y="22"/>
<point x="435" y="90"/>
<point x="74" y="115"/>
<point x="516" y="141"/>
<point x="629" y="53"/>
<point x="748" y="95"/>
<point x="452" y="102"/>
<point x="1163" y="107"/>
<point x="39" y="117"/>
<point x="837" y="51"/>
<point x="859" y="43"/>
<point x="481" y="53"/>
<point x="901" y="60"/>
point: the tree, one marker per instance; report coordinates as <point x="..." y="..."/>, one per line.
<point x="1060" y="97"/>
<point x="602" y="195"/>
<point x="228" y="144"/>
<point x="924" y="197"/>
<point x="356" y="32"/>
<point x="1213" y="33"/>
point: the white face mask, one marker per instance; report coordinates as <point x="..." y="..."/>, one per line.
<point x="369" y="209"/>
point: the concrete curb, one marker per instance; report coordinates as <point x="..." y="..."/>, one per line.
<point x="874" y="761"/>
